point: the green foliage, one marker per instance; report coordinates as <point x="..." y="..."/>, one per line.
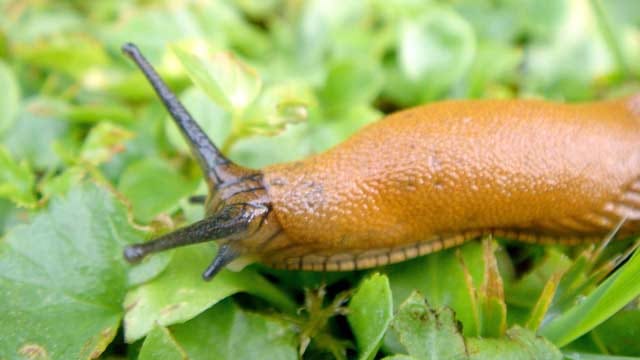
<point x="90" y="162"/>
<point x="179" y="294"/>
<point x="62" y="290"/>
<point x="370" y="313"/>
<point x="221" y="333"/>
<point x="609" y="297"/>
<point x="10" y="101"/>
<point x="159" y="344"/>
<point x="153" y="186"/>
<point x="429" y="333"/>
<point x="16" y="180"/>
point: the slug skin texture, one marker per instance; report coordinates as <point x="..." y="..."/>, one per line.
<point x="436" y="175"/>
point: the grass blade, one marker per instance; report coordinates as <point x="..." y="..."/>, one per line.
<point x="612" y="295"/>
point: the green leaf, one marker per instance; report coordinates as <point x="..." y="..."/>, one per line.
<point x="620" y="333"/>
<point x="95" y="113"/>
<point x="40" y="116"/>
<point x="149" y="269"/>
<point x="548" y="68"/>
<point x="62" y="183"/>
<point x="179" y="294"/>
<point x="277" y="107"/>
<point x="350" y="83"/>
<point x="16" y="180"/>
<point x="494" y="65"/>
<point x="153" y="187"/>
<point x="399" y="357"/>
<point x="519" y="344"/>
<point x="72" y="54"/>
<point x="525" y="291"/>
<point x="544" y="303"/>
<point x="63" y="279"/>
<point x="325" y="26"/>
<point x="10" y="98"/>
<point x="11" y="215"/>
<point x="608" y="298"/>
<point x="573" y="283"/>
<point x="229" y="82"/>
<point x="425" y="275"/>
<point x="427" y="333"/>
<point x="260" y="150"/>
<point x="370" y="313"/>
<point x="435" y="49"/>
<point x="584" y="356"/>
<point x="226" y="332"/>
<point x="160" y="344"/>
<point x="43" y="23"/>
<point x="493" y="310"/>
<point x="103" y="142"/>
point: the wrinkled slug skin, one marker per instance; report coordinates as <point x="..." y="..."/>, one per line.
<point x="526" y="166"/>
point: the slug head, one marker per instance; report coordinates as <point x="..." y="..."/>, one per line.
<point x="238" y="212"/>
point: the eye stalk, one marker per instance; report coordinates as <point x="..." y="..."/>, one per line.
<point x="232" y="222"/>
<point x="215" y="166"/>
<point x="237" y="204"/>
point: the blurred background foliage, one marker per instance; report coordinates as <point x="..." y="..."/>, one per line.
<point x="274" y="81"/>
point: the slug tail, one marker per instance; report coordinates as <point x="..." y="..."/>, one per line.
<point x="216" y="167"/>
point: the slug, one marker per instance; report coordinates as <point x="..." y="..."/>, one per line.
<point x="419" y="181"/>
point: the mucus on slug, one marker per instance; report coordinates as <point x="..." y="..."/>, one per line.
<point x="419" y="181"/>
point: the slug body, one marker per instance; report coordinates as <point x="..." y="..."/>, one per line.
<point x="436" y="175"/>
<point x="419" y="181"/>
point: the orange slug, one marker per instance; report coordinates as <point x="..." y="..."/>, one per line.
<point x="418" y="181"/>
